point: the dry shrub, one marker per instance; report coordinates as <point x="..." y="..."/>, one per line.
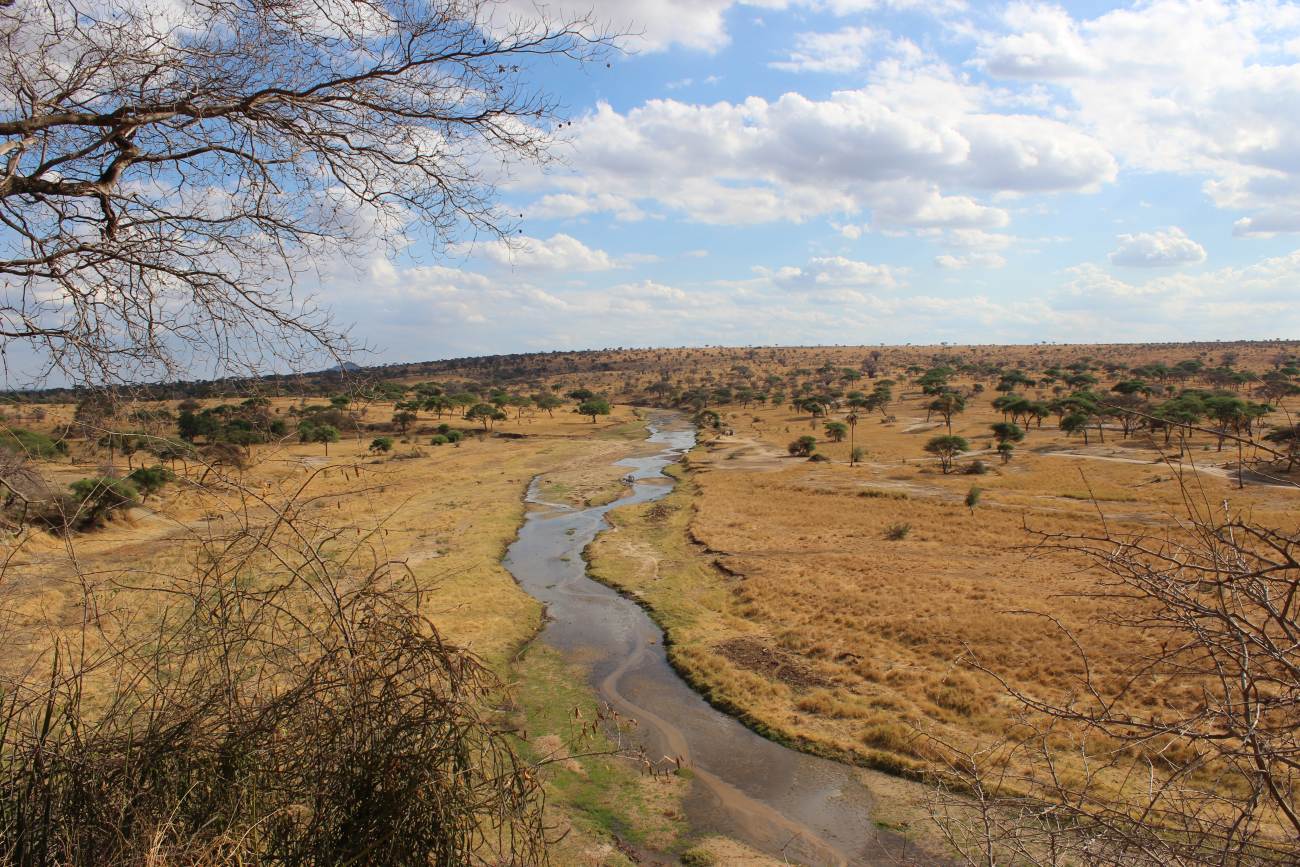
<point x="289" y="706"/>
<point x="1209" y="781"/>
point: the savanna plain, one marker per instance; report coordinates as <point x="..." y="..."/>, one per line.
<point x="906" y="559"/>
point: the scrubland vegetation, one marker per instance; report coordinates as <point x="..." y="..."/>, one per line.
<point x="924" y="600"/>
<point x="174" y="616"/>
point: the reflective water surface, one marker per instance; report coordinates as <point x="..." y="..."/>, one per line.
<point x="786" y="803"/>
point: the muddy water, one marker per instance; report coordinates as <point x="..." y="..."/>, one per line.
<point x="791" y="805"/>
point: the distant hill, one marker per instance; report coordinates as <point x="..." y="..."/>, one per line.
<point x="345" y="367"/>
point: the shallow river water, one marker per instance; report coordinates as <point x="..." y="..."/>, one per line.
<point x="788" y="804"/>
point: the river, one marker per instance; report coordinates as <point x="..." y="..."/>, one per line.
<point x="785" y="803"/>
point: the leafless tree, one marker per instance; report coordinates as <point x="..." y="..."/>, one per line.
<point x="168" y="172"/>
<point x="168" y="175"/>
<point x="1099" y="776"/>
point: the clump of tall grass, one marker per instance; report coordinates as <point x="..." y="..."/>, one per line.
<point x="290" y="706"/>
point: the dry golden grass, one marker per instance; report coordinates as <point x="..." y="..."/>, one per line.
<point x="787" y="602"/>
<point x="783" y="597"/>
<point x="448" y="514"/>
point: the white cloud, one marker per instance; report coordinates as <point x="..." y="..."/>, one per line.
<point x="1249" y="301"/>
<point x="1201" y="87"/>
<point x="824" y="300"/>
<point x="648" y="25"/>
<point x="834" y="273"/>
<point x="979" y="239"/>
<point x="1158" y="249"/>
<point x="891" y="148"/>
<point x="1044" y="42"/>
<point x="844" y="50"/>
<point x="655" y="25"/>
<point x="1268" y="223"/>
<point x="567" y="205"/>
<point x="559" y="252"/>
<point x="970" y="260"/>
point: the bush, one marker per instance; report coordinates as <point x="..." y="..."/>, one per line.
<point x="150" y="480"/>
<point x="817" y="458"/>
<point x="897" y="532"/>
<point x="32" y="444"/>
<point x="698" y="857"/>
<point x="454" y="436"/>
<point x="803" y="447"/>
<point x="284" y="701"/>
<point x="94" y="499"/>
<point x="381" y="444"/>
<point x="439" y="440"/>
<point x="237" y="749"/>
<point x="975" y="468"/>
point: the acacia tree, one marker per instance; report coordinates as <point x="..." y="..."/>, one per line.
<point x="946" y="448"/>
<point x="165" y="175"/>
<point x="593" y="407"/>
<point x="548" y="402"/>
<point x="1007" y="434"/>
<point x="485" y="413"/>
<point x="948" y="404"/>
<point x="803" y="447"/>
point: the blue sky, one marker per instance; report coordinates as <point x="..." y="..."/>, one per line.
<point x="867" y="171"/>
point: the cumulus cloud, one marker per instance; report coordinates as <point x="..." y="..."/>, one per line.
<point x="656" y="25"/>
<point x="1160" y="249"/>
<point x="1209" y="88"/>
<point x="979" y="239"/>
<point x="822" y="300"/>
<point x="1043" y="42"/>
<point x="647" y="25"/>
<point x="844" y="50"/>
<point x="567" y="205"/>
<point x="559" y="252"/>
<point x="1248" y="301"/>
<point x="891" y="148"/>
<point x="1268" y="223"/>
<point x="827" y="273"/>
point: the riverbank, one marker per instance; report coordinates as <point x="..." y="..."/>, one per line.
<point x="788" y="804"/>
<point x="649" y="556"/>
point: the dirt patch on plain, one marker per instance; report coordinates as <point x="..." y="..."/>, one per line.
<point x="758" y="656"/>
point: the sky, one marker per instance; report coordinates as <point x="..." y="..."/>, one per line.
<point x="756" y="172"/>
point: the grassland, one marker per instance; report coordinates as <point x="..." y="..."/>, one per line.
<point x="834" y="607"/>
<point x="787" y="602"/>
<point x="446" y="513"/>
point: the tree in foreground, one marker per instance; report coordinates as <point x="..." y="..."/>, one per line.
<point x="1096" y="773"/>
<point x="165" y="175"/>
<point x="946" y="449"/>
<point x="836" y="431"/>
